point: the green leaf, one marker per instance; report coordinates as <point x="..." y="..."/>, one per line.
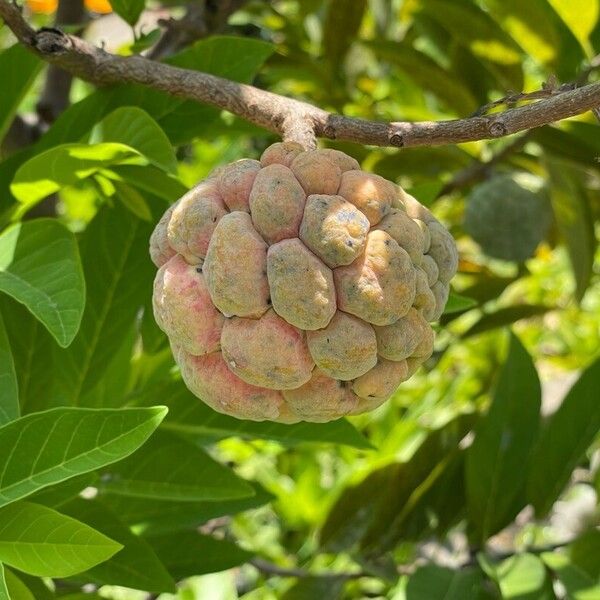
<point x="564" y="440"/>
<point x="134" y="127"/>
<point x="377" y="511"/>
<point x="309" y="588"/>
<point x="584" y="552"/>
<point x="432" y="582"/>
<point x="9" y="389"/>
<point x="342" y="22"/>
<point x="3" y="588"/>
<point x="148" y="516"/>
<point x="40" y="268"/>
<point x="18" y="68"/>
<point x="190" y="416"/>
<point x="151" y="180"/>
<point x="57" y="546"/>
<point x="578" y="584"/>
<point x="530" y="25"/>
<point x="427" y="74"/>
<point x="474" y="29"/>
<point x="136" y="565"/>
<point x="581" y="17"/>
<point x="497" y="461"/>
<point x="118" y="275"/>
<point x="524" y="577"/>
<point x="52" y="446"/>
<point x="63" y="165"/>
<point x="16" y="589"/>
<point x="188" y="553"/>
<point x="506" y="316"/>
<point x="170" y="468"/>
<point x="571" y="204"/>
<point x="133" y="201"/>
<point x="129" y="10"/>
<point x="457" y="303"/>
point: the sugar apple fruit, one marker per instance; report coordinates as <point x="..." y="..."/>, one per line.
<point x="299" y="287"/>
<point x="508" y="216"/>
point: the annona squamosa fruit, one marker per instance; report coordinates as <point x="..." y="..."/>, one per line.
<point x="508" y="216"/>
<point x="299" y="287"/>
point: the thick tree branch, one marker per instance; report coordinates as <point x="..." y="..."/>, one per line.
<point x="294" y="120"/>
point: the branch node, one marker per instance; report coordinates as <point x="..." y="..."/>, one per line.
<point x="497" y="129"/>
<point x="49" y="40"/>
<point x="329" y="132"/>
<point x="397" y="140"/>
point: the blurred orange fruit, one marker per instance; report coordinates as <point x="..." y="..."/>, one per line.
<point x="49" y="6"/>
<point x="98" y="6"/>
<point x="42" y="6"/>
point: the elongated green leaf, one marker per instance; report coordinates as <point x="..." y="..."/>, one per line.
<point x="373" y="512"/>
<point x="40" y="268"/>
<point x="3" y="589"/>
<point x="431" y="581"/>
<point x="17" y="590"/>
<point x="9" y="389"/>
<point x="148" y="516"/>
<point x="150" y="180"/>
<point x="186" y="554"/>
<point x="427" y="74"/>
<point x="18" y="68"/>
<point x="188" y="415"/>
<point x="170" y="468"/>
<point x="506" y="316"/>
<point x="578" y="584"/>
<point x="342" y="22"/>
<point x="497" y="461"/>
<point x="136" y="565"/>
<point x="580" y="16"/>
<point x="129" y="10"/>
<point x="48" y="171"/>
<point x="49" y="447"/>
<point x="57" y="546"/>
<point x="134" y="127"/>
<point x="585" y="553"/>
<point x="530" y="25"/>
<point x="573" y="214"/>
<point x="564" y="441"/>
<point x="118" y="274"/>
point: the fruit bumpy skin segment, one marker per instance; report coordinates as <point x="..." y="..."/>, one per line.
<point x="302" y="289"/>
<point x="321" y="399"/>
<point x="267" y="352"/>
<point x="183" y="308"/>
<point x="379" y="286"/>
<point x="335" y="230"/>
<point x="276" y="203"/>
<point x="209" y="378"/>
<point x="235" y="183"/>
<point x="194" y="220"/>
<point x="299" y="287"/>
<point x="345" y="349"/>
<point x="236" y="268"/>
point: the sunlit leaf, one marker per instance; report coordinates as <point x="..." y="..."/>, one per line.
<point x="580" y="16"/>
<point x="52" y="446"/>
<point x="40" y="268"/>
<point x="58" y="546"/>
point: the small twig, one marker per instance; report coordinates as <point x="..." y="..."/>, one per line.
<point x="272" y="569"/>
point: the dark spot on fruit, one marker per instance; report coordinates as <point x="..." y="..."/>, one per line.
<point x="214" y="219"/>
<point x="349" y="243"/>
<point x="198" y="269"/>
<point x="269" y="300"/>
<point x="387" y="242"/>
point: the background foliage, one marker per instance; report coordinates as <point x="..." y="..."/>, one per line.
<point x="479" y="479"/>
